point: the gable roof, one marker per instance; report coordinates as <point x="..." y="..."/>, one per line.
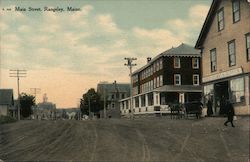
<point x="110" y="87"/>
<point x="183" y="50"/>
<point x="207" y="24"/>
<point x="6" y="97"/>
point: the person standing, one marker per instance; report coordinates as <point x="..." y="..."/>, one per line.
<point x="230" y="113"/>
<point x="209" y="108"/>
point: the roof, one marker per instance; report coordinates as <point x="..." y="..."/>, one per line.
<point x="6" y="97"/>
<point x="182" y="88"/>
<point x="207" y="24"/>
<point x="110" y="87"/>
<point x="183" y="50"/>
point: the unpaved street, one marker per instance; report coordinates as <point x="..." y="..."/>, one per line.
<point x="153" y="139"/>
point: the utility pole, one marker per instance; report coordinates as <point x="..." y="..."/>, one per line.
<point x="18" y="74"/>
<point x="104" y="101"/>
<point x="35" y="91"/>
<point x="130" y="65"/>
<point x="89" y="104"/>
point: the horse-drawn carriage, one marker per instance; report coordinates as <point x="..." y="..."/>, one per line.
<point x="186" y="109"/>
<point x="194" y="107"/>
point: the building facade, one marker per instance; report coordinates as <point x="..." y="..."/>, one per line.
<point x="7" y="107"/>
<point x="111" y="93"/>
<point x="225" y="44"/>
<point x="171" y="77"/>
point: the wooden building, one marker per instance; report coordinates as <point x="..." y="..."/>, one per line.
<point x="225" y="44"/>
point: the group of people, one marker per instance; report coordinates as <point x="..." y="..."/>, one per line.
<point x="226" y="107"/>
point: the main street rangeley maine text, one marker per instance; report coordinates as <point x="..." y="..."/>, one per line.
<point x="46" y="9"/>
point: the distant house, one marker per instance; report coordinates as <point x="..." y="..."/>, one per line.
<point x="7" y="102"/>
<point x="225" y="44"/>
<point x="171" y="77"/>
<point x="112" y="93"/>
<point x="45" y="109"/>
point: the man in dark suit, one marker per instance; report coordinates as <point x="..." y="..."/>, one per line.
<point x="230" y="113"/>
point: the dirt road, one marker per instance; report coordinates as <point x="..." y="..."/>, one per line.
<point x="125" y="140"/>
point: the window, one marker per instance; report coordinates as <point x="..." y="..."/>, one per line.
<point x="208" y="92"/>
<point x="248" y="46"/>
<point x="213" y="62"/>
<point x="160" y="63"/>
<point x="220" y="18"/>
<point x="195" y="62"/>
<point x="236" y="10"/>
<point x="237" y="89"/>
<point x="154" y="82"/>
<point x="196" y="80"/>
<point x="158" y="82"/>
<point x="231" y="53"/>
<point x="161" y="80"/>
<point x="177" y="62"/>
<point x="177" y="79"/>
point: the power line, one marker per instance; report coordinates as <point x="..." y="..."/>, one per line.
<point x="130" y="65"/>
<point x="16" y="73"/>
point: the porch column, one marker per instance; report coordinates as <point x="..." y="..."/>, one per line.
<point x="156" y="97"/>
<point x="146" y="100"/>
<point x="139" y="101"/>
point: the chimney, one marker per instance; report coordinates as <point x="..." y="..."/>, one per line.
<point x="148" y="59"/>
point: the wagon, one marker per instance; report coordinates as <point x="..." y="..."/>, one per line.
<point x="194" y="108"/>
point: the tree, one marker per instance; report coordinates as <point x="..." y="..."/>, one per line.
<point x="26" y="103"/>
<point x="91" y="99"/>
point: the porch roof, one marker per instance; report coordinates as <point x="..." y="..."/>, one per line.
<point x="181" y="88"/>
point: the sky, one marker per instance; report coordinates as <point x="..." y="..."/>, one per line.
<point x="66" y="53"/>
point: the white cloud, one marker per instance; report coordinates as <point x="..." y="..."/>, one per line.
<point x="3" y="26"/>
<point x="107" y="24"/>
<point x="24" y="28"/>
<point x="187" y="27"/>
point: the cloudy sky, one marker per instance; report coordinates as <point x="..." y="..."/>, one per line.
<point x="66" y="53"/>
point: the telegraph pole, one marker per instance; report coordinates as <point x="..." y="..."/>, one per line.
<point x="18" y="74"/>
<point x="104" y="101"/>
<point x="130" y="65"/>
<point x="35" y="91"/>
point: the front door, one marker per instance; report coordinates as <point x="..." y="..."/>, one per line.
<point x="221" y="96"/>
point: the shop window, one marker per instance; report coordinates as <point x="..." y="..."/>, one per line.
<point x="248" y="46"/>
<point x="208" y="92"/>
<point x="196" y="79"/>
<point x="232" y="53"/>
<point x="177" y="79"/>
<point x="237" y="90"/>
<point x="177" y="62"/>
<point x="220" y="19"/>
<point x="195" y="62"/>
<point x="236" y="10"/>
<point x="213" y="60"/>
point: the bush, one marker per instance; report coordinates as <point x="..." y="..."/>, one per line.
<point x="6" y="119"/>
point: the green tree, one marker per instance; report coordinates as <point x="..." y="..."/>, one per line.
<point x="26" y="103"/>
<point x="92" y="99"/>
